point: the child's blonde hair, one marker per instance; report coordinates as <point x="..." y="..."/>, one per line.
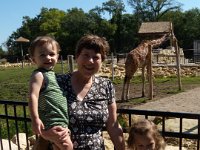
<point x="142" y="127"/>
<point x="42" y="40"/>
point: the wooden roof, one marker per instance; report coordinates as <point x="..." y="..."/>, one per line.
<point x="21" y="39"/>
<point x="155" y="28"/>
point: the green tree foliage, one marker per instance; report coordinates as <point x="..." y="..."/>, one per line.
<point x="76" y="23"/>
<point x="115" y="8"/>
<point x="152" y="10"/>
<point x="50" y="21"/>
<point x="46" y="23"/>
<point x="73" y="26"/>
<point x="2" y="53"/>
<point x="129" y="37"/>
<point x="120" y="29"/>
<point x="186" y="26"/>
<point x="191" y="28"/>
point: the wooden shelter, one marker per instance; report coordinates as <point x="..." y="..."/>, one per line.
<point x="22" y="40"/>
<point x="152" y="30"/>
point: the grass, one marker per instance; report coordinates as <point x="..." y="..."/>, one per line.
<point x="14" y="82"/>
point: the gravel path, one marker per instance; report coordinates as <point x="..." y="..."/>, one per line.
<point x="188" y="101"/>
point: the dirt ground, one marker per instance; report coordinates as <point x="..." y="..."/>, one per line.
<point x="187" y="101"/>
<point x="162" y="97"/>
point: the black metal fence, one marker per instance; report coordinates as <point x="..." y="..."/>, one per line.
<point x="164" y="115"/>
<point x="14" y="119"/>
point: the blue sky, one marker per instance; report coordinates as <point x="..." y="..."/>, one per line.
<point x="12" y="11"/>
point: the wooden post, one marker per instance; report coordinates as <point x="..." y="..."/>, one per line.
<point x="150" y="73"/>
<point x="62" y="66"/>
<point x="112" y="57"/>
<point x="22" y="55"/>
<point x="70" y="62"/>
<point x="177" y="50"/>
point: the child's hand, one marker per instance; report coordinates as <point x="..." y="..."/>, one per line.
<point x="37" y="126"/>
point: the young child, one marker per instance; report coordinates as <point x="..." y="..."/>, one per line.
<point x="48" y="104"/>
<point x="144" y="135"/>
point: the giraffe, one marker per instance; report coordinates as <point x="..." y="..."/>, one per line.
<point x="139" y="57"/>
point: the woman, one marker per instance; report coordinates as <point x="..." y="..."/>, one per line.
<point x="91" y="99"/>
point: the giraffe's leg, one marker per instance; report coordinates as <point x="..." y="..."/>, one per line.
<point x="148" y="73"/>
<point x="131" y="65"/>
<point x="127" y="87"/>
<point x="143" y="80"/>
<point x="123" y="89"/>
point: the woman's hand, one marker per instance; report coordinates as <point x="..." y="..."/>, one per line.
<point x="56" y="134"/>
<point x="114" y="129"/>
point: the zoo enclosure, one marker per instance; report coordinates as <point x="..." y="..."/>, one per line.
<point x="12" y="120"/>
<point x="167" y="56"/>
<point x="163" y="56"/>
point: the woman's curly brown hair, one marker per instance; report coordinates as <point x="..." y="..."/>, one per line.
<point x="93" y="42"/>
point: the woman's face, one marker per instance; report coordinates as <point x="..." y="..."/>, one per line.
<point x="144" y="142"/>
<point x="89" y="62"/>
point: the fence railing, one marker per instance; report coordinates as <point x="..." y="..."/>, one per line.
<point x="14" y="119"/>
<point x="164" y="115"/>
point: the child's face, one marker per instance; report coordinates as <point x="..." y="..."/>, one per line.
<point x="144" y="142"/>
<point x="45" y="56"/>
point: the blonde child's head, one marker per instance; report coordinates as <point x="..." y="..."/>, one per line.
<point x="43" y="41"/>
<point x="44" y="52"/>
<point x="144" y="135"/>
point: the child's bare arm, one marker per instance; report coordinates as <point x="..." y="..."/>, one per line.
<point x="35" y="85"/>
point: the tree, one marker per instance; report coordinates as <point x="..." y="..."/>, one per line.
<point x="77" y="23"/>
<point x="129" y="37"/>
<point x="74" y="25"/>
<point x="152" y="10"/>
<point x="102" y="27"/>
<point x="46" y="23"/>
<point x="115" y="8"/>
<point x="186" y="26"/>
<point x="50" y="21"/>
<point x="2" y="52"/>
<point x="191" y="31"/>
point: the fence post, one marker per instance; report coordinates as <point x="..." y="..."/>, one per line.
<point x="112" y="58"/>
<point x="177" y="50"/>
<point x="62" y="67"/>
<point x="70" y="62"/>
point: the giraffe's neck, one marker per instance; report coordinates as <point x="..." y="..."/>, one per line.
<point x="158" y="42"/>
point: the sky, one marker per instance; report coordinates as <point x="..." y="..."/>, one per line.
<point x="12" y="11"/>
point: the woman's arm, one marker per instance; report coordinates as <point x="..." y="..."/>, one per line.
<point x="114" y="129"/>
<point x="55" y="134"/>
